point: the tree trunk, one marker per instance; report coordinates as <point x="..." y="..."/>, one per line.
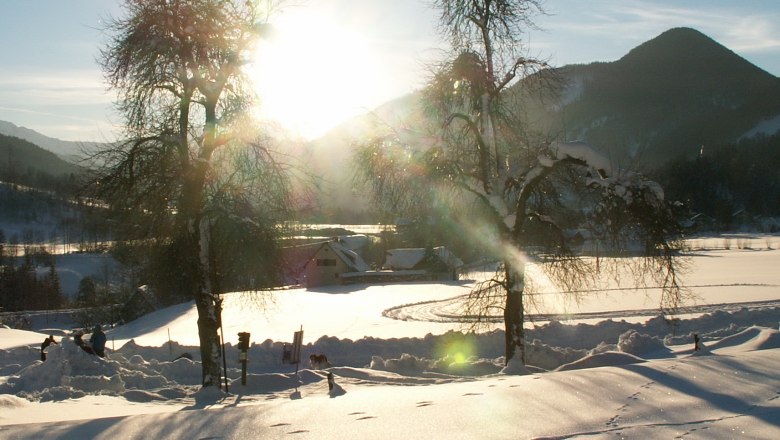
<point x="208" y="302"/>
<point x="196" y="229"/>
<point x="208" y="323"/>
<point x="514" y="312"/>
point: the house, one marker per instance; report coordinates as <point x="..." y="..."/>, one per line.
<point x="700" y="222"/>
<point x="325" y="262"/>
<point x="438" y="263"/>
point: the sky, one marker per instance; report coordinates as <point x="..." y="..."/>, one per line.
<point x="333" y="59"/>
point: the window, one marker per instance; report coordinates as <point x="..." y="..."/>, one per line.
<point x="326" y="261"/>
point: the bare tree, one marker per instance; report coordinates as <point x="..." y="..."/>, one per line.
<point x="192" y="179"/>
<point x="531" y="191"/>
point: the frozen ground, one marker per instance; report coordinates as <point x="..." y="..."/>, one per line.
<point x="415" y="378"/>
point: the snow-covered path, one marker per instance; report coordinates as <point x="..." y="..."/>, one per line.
<point x="746" y="278"/>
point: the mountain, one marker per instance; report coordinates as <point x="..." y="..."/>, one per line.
<point x="666" y="99"/>
<point x="19" y="157"/>
<point x="67" y="150"/>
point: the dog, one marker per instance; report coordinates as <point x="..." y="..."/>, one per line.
<point x="319" y="361"/>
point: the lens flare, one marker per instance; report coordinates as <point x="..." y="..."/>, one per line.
<point x="457" y="349"/>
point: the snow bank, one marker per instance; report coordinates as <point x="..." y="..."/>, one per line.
<point x="548" y="357"/>
<point x="451" y="356"/>
<point x="515" y="367"/>
<point x="633" y="342"/>
<point x="713" y="396"/>
<point x="610" y="358"/>
<point x="751" y="339"/>
<point x="16" y="338"/>
<point x="14" y="359"/>
<point x="9" y="402"/>
<point x="69" y="372"/>
<point x="269" y="383"/>
<point x="410" y="365"/>
<point x="365" y="375"/>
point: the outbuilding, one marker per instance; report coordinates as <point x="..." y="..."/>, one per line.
<point x="328" y="262"/>
<point x="439" y="263"/>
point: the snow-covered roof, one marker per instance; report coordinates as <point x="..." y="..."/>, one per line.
<point x="381" y="273"/>
<point x="340" y="247"/>
<point x="408" y="258"/>
<point x="353" y="242"/>
<point x="350" y="257"/>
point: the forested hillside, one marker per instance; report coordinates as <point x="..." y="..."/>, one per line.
<point x="664" y="100"/>
<point x="733" y="185"/>
<point x="24" y="163"/>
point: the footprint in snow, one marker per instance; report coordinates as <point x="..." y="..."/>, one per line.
<point x="358" y="413"/>
<point x="613" y="422"/>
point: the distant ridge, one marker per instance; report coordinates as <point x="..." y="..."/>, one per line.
<point x="67" y="150"/>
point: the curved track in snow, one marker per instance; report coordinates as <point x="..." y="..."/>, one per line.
<point x="450" y="310"/>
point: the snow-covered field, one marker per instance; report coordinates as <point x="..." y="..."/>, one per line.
<point x="403" y="370"/>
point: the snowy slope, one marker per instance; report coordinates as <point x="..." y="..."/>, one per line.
<point x="631" y="386"/>
<point x="718" y="395"/>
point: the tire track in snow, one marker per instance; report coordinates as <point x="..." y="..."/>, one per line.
<point x="448" y="310"/>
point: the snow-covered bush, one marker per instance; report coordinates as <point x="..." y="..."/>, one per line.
<point x="603" y="347"/>
<point x="639" y="344"/>
<point x="409" y="365"/>
<point x="548" y="357"/>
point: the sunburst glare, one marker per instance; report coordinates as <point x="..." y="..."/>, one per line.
<point x="313" y="73"/>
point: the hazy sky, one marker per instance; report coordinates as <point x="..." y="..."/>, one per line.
<point x="333" y="59"/>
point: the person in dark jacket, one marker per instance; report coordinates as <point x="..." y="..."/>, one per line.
<point x="78" y="339"/>
<point x="98" y="341"/>
<point x="46" y="342"/>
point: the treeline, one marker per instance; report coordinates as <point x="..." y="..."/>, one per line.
<point x="21" y="288"/>
<point x="732" y="185"/>
<point x="31" y="282"/>
<point x="99" y="302"/>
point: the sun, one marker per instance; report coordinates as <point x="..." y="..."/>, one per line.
<point x="313" y="73"/>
